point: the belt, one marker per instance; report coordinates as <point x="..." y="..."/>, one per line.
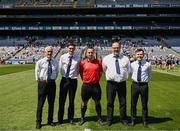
<point x="68" y="78"/>
<point x="46" y="81"/>
<point x="50" y="80"/>
<point x="140" y="83"/>
<point x="115" y="82"/>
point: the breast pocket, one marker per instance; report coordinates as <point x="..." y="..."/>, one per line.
<point x="145" y="68"/>
<point x="64" y="62"/>
<point x="44" y="66"/>
<point x="54" y="67"/>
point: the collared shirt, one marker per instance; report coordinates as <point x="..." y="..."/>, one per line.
<point x="110" y="68"/>
<point x="90" y="71"/>
<point x="74" y="69"/>
<point x="145" y="70"/>
<point x="41" y="69"/>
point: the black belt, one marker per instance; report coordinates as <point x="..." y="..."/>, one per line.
<point x="115" y="82"/>
<point x="68" y="78"/>
<point x="46" y="81"/>
<point x="140" y="83"/>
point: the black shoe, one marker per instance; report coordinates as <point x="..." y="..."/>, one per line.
<point x="145" y="124"/>
<point x="59" y="124"/>
<point x="71" y="122"/>
<point x="38" y="125"/>
<point x="51" y="123"/>
<point x="100" y="122"/>
<point x="124" y="122"/>
<point x="81" y="121"/>
<point x="108" y="123"/>
<point x="132" y="123"/>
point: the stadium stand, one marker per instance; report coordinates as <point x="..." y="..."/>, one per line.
<point x="31" y="51"/>
<point x="46" y="3"/>
<point x="155" y="27"/>
<point x="89" y="3"/>
<point x="125" y="2"/>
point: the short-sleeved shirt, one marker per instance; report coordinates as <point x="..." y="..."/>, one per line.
<point x="110" y="69"/>
<point x="145" y="70"/>
<point x="41" y="69"/>
<point x="90" y="71"/>
<point x="74" y="69"/>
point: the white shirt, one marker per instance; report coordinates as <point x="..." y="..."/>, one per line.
<point x="145" y="70"/>
<point x="41" y="69"/>
<point x="74" y="69"/>
<point x="110" y="69"/>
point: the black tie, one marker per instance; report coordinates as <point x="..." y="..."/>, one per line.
<point x="69" y="66"/>
<point x="49" y="71"/>
<point x="117" y="65"/>
<point x="139" y="72"/>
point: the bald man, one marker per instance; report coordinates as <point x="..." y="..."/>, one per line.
<point x="116" y="67"/>
<point x="46" y="71"/>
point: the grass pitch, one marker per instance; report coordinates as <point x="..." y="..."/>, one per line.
<point x="18" y="101"/>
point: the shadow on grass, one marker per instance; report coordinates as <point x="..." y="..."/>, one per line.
<point x="152" y="119"/>
<point x="116" y="119"/>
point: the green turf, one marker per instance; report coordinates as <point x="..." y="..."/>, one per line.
<point x="18" y="100"/>
<point x="8" y="69"/>
<point x="175" y="71"/>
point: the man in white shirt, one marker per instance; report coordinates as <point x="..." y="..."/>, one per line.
<point x="141" y="73"/>
<point x="69" y="69"/>
<point x="46" y="71"/>
<point x="116" y="67"/>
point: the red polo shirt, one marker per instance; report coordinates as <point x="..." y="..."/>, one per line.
<point x="90" y="71"/>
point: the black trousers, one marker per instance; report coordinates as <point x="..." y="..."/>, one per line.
<point x="111" y="89"/>
<point x="46" y="90"/>
<point x="142" y="90"/>
<point x="67" y="86"/>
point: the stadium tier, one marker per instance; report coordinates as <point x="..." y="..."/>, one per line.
<point x="32" y="19"/>
<point x="89" y="3"/>
<point x="27" y="26"/>
<point x="25" y="50"/>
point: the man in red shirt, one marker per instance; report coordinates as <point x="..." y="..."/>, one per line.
<point x="90" y="71"/>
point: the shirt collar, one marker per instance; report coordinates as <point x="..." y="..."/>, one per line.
<point x="119" y="56"/>
<point x="89" y="60"/>
<point x="69" y="55"/>
<point x="47" y="59"/>
<point x="142" y="61"/>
